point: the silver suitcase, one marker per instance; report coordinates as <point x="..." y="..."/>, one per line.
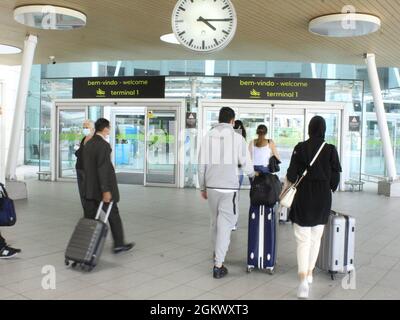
<point x="337" y="247"/>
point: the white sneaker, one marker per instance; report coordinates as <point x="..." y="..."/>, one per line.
<point x="303" y="291"/>
<point x="310" y="279"/>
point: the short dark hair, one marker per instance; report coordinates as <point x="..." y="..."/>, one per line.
<point x="101" y="124"/>
<point x="226" y="115"/>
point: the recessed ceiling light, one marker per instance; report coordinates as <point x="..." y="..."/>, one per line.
<point x="49" y="17"/>
<point x="6" y="49"/>
<point x="170" y="38"/>
<point x="343" y="25"/>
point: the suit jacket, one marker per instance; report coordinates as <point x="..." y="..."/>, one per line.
<point x="99" y="171"/>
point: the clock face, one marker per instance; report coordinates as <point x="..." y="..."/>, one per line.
<point x="204" y="25"/>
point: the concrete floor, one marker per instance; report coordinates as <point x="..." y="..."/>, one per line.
<point x="172" y="259"/>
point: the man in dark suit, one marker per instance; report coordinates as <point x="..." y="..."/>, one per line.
<point x="101" y="182"/>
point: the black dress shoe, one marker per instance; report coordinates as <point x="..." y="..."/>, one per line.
<point x="124" y="248"/>
<point x="219" y="273"/>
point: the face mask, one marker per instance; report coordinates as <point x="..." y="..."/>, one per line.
<point x="86" y="132"/>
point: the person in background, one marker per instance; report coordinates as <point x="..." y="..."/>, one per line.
<point x="240" y="129"/>
<point x="222" y="151"/>
<point x="312" y="204"/>
<point x="262" y="149"/>
<point x="88" y="131"/>
<point x="100" y="183"/>
<point x="7" y="252"/>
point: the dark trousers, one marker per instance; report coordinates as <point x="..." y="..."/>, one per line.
<point x="91" y="207"/>
<point x="80" y="175"/>
<point x="2" y="242"/>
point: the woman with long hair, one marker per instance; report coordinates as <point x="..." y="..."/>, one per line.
<point x="262" y="149"/>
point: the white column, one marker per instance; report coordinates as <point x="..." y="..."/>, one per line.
<point x="19" y="115"/>
<point x="381" y="116"/>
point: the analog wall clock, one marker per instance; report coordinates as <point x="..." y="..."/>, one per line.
<point x="204" y="25"/>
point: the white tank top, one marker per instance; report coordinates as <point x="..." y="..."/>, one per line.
<point x="261" y="155"/>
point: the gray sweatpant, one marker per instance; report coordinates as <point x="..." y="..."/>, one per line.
<point x="224" y="216"/>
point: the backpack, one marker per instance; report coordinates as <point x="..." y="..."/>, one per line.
<point x="265" y="190"/>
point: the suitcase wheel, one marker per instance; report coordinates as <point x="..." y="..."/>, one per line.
<point x="74" y="265"/>
<point x="66" y="262"/>
<point x="270" y="271"/>
<point x="249" y="269"/>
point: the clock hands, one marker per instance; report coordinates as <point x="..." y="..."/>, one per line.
<point x="227" y="19"/>
<point x="201" y="19"/>
<point x="207" y="21"/>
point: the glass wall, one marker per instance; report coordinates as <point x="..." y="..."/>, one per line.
<point x="193" y="80"/>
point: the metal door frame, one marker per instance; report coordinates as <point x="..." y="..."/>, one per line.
<point x="55" y="165"/>
<point x="178" y="146"/>
<point x="154" y="104"/>
<point x="121" y="112"/>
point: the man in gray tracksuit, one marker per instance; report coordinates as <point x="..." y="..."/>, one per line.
<point x="222" y="152"/>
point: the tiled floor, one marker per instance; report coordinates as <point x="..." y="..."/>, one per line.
<point x="172" y="259"/>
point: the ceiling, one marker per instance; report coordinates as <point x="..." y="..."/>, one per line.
<point x="275" y="30"/>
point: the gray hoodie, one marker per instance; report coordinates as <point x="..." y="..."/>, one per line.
<point x="221" y="153"/>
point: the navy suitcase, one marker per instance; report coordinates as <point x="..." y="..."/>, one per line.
<point x="261" y="239"/>
<point x="8" y="218"/>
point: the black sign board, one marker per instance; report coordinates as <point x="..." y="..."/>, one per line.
<point x="273" y="89"/>
<point x="355" y="124"/>
<point x="191" y="120"/>
<point x="119" y="87"/>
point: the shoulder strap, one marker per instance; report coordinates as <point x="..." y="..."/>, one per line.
<point x="311" y="164"/>
<point x="317" y="155"/>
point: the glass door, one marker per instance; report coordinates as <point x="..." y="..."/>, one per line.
<point x="161" y="147"/>
<point x="252" y="119"/>
<point x="210" y="118"/>
<point x="128" y="140"/>
<point x="70" y="135"/>
<point x="333" y="125"/>
<point x="288" y="132"/>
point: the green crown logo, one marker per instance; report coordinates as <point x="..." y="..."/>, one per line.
<point x="254" y="93"/>
<point x="100" y="92"/>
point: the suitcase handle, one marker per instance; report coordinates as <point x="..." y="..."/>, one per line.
<point x="3" y="190"/>
<point x="107" y="213"/>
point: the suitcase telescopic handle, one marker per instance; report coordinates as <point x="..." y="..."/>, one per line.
<point x="110" y="205"/>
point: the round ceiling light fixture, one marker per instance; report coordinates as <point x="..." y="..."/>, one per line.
<point x="49" y="17"/>
<point x="6" y="49"/>
<point x="345" y="25"/>
<point x="169" y="38"/>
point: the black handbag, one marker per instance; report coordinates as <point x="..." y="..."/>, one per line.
<point x="265" y="190"/>
<point x="8" y="217"/>
<point x="273" y="165"/>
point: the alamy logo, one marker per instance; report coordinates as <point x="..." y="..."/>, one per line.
<point x="349" y="281"/>
<point x="49" y="20"/>
<point x="349" y="22"/>
<point x="49" y="280"/>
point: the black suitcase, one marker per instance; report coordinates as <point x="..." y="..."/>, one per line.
<point x="87" y="241"/>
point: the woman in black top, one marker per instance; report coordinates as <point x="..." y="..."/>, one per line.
<point x="88" y="131"/>
<point x="312" y="203"/>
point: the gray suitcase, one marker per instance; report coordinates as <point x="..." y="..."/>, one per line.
<point x="337" y="247"/>
<point x="87" y="241"/>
